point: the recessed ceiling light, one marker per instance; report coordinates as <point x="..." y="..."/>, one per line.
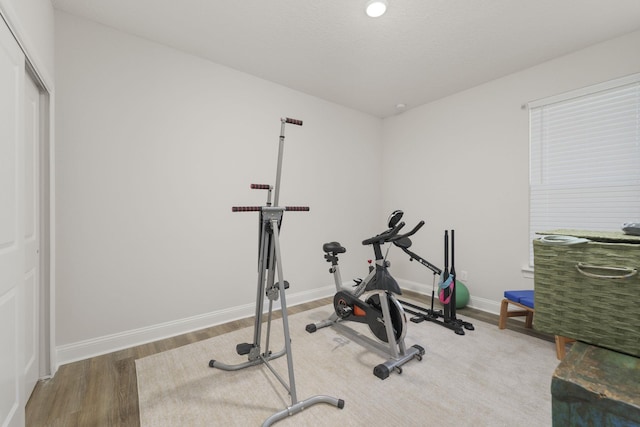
<point x="376" y="8"/>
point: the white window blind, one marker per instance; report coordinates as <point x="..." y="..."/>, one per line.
<point x="585" y="158"/>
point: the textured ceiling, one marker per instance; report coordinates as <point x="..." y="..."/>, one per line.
<point x="419" y="51"/>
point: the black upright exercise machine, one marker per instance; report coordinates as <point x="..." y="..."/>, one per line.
<point x="447" y="316"/>
<point x="270" y="262"/>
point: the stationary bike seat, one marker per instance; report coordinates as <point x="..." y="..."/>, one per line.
<point x="405" y="243"/>
<point x="333" y="247"/>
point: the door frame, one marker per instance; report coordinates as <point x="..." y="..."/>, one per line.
<point x="44" y="164"/>
<point x="48" y="359"/>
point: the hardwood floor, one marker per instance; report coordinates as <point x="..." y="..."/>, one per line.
<point x="103" y="390"/>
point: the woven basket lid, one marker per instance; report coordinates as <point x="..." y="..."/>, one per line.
<point x="596" y="236"/>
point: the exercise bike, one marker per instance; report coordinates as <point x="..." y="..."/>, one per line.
<point x="373" y="302"/>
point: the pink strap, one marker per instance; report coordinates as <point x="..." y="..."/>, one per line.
<point x="446" y="300"/>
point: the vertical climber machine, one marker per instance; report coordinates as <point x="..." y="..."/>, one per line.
<point x="270" y="263"/>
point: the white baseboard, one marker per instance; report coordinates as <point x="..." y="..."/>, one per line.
<point x="109" y="343"/>
<point x="478" y="303"/>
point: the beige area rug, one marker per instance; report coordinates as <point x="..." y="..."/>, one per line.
<point x="488" y="377"/>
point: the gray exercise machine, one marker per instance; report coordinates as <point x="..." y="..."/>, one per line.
<point x="269" y="262"/>
<point x="373" y="302"/>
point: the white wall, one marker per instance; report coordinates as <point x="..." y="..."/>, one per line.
<point x="154" y="148"/>
<point x="462" y="163"/>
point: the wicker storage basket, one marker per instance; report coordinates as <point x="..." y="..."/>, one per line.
<point x="590" y="291"/>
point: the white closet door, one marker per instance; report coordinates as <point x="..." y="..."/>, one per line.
<point x="31" y="235"/>
<point x="12" y="72"/>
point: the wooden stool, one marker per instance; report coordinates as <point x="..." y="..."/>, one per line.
<point x="524" y="301"/>
<point x="521" y="299"/>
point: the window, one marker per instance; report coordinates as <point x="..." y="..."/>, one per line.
<point x="585" y="158"/>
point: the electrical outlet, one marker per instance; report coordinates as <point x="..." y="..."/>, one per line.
<point x="463" y="275"/>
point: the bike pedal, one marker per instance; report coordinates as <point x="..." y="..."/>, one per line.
<point x="243" y="348"/>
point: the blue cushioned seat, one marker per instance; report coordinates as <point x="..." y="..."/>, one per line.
<point x="527" y="301"/>
<point x="517" y="296"/>
<point x="522" y="299"/>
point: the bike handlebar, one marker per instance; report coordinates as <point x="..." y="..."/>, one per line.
<point x="409" y="234"/>
<point x="385" y="236"/>
<point x="260" y="187"/>
<point x="291" y="121"/>
<point x="259" y="208"/>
